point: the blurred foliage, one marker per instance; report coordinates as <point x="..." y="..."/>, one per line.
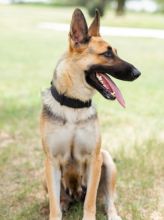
<point x="94" y="4"/>
<point x="69" y="3"/>
<point x="161" y="5"/>
<point x="101" y="5"/>
<point x="120" y="7"/>
<point x="90" y="5"/>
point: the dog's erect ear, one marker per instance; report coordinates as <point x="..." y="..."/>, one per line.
<point x="95" y="25"/>
<point x="79" y="28"/>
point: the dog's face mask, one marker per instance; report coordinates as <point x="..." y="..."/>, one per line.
<point x="97" y="58"/>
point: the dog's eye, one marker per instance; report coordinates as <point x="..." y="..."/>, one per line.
<point x="108" y="54"/>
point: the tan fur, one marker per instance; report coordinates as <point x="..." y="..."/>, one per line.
<point x="71" y="69"/>
<point x="71" y="139"/>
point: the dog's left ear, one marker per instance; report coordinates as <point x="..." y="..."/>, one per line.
<point x="78" y="29"/>
<point x="94" y="29"/>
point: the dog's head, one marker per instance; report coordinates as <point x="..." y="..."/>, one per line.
<point x="93" y="59"/>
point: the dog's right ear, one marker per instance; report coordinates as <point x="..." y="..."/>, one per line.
<point x="78" y="29"/>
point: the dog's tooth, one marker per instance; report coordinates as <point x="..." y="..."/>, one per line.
<point x="113" y="93"/>
<point x="99" y="77"/>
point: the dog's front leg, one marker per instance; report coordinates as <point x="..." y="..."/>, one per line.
<point x="53" y="179"/>
<point x="92" y="186"/>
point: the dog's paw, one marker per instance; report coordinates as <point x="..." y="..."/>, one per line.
<point x="89" y="216"/>
<point x="114" y="217"/>
<point x="55" y="217"/>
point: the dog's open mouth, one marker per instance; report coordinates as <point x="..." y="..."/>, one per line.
<point x="105" y="85"/>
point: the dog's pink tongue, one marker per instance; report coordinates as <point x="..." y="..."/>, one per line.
<point x="111" y="86"/>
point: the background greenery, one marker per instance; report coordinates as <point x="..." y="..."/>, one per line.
<point x="134" y="136"/>
<point x="118" y="5"/>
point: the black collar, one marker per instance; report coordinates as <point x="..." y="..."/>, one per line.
<point x="67" y="101"/>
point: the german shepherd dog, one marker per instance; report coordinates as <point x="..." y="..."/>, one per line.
<point x="76" y="168"/>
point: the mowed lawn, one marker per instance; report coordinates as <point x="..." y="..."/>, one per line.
<point x="134" y="136"/>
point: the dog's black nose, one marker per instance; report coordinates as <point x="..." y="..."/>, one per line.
<point x="136" y="73"/>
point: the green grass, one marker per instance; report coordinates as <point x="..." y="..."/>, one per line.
<point x="134" y="136"/>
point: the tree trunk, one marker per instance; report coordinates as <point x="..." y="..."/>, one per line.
<point x="120" y="7"/>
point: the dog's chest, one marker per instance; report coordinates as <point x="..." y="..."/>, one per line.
<point x="73" y="136"/>
<point x="72" y="140"/>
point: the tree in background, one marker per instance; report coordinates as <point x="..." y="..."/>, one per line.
<point x="101" y="4"/>
<point x="96" y="4"/>
<point x="91" y="5"/>
<point x="120" y="9"/>
<point x="161" y="5"/>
